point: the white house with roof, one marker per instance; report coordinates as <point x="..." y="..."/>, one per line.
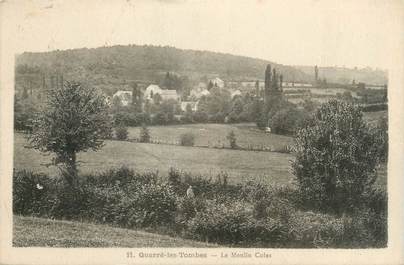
<point x="217" y="82"/>
<point x="165" y="94"/>
<point x="193" y="104"/>
<point x="235" y="92"/>
<point x="197" y="93"/>
<point x="151" y="90"/>
<point x="125" y="96"/>
<point x="201" y="86"/>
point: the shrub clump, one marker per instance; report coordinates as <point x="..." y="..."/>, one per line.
<point x="153" y="204"/>
<point x="187" y="139"/>
<point x="121" y="132"/>
<point x="33" y="194"/>
<point x="144" y="136"/>
<point x="234" y="224"/>
<point x="231" y="137"/>
<point x="39" y="195"/>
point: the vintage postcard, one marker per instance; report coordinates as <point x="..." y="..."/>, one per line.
<point x="203" y="132"/>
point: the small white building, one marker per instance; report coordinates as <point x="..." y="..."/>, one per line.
<point x="234" y="93"/>
<point x="198" y="93"/>
<point x="217" y="82"/>
<point x="150" y="91"/>
<point x="193" y="105"/>
<point x="165" y="94"/>
<point x="201" y="86"/>
<point x="125" y="96"/>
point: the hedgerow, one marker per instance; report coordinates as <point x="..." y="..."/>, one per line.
<point x="246" y="215"/>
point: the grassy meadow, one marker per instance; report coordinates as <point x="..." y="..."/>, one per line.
<point x="39" y="232"/>
<point x="214" y="135"/>
<point x="269" y="167"/>
<point x="240" y="165"/>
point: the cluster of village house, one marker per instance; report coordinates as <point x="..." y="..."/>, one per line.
<point x="293" y="91"/>
<point x="235" y="88"/>
<point x="200" y="90"/>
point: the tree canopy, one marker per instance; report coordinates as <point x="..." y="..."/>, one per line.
<point x="74" y="119"/>
<point x="336" y="156"/>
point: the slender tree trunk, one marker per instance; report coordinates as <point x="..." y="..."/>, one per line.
<point x="70" y="173"/>
<point x="74" y="171"/>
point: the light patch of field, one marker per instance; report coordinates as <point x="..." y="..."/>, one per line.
<point x="273" y="168"/>
<point x="373" y="117"/>
<point x="39" y="232"/>
<point x="214" y="135"/>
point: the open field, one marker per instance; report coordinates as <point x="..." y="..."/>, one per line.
<point x="39" y="232"/>
<point x="373" y="117"/>
<point x="214" y="135"/>
<point x="270" y="167"/>
<point x="240" y="165"/>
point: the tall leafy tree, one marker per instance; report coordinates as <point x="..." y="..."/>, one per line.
<point x="336" y="156"/>
<point x="137" y="99"/>
<point x="188" y="117"/>
<point x="74" y="119"/>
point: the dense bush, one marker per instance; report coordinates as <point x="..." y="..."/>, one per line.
<point x="188" y="207"/>
<point x="200" y="116"/>
<point x="288" y="121"/>
<point x="231" y="137"/>
<point x="311" y="229"/>
<point x="187" y="139"/>
<point x="123" y="177"/>
<point x="381" y="135"/>
<point x="144" y="136"/>
<point x="246" y="215"/>
<point x="24" y="114"/>
<point x="152" y="204"/>
<point x="121" y="132"/>
<point x="39" y="195"/>
<point x="127" y="118"/>
<point x="133" y="206"/>
<point x="129" y="199"/>
<point x="234" y="224"/>
<point x="33" y="194"/>
<point x="174" y="180"/>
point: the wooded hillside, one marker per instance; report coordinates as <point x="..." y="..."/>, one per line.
<point x="112" y="67"/>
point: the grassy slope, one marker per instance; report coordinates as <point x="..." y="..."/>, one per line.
<point x="39" y="232"/>
<point x="215" y="135"/>
<point x="240" y="165"/>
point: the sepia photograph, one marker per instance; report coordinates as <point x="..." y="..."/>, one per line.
<point x="198" y="126"/>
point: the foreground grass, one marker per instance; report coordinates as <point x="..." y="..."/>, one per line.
<point x="240" y="165"/>
<point x="39" y="232"/>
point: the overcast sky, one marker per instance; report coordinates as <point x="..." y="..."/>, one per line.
<point x="326" y="33"/>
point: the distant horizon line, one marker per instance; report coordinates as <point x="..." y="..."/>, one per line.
<point x="211" y="51"/>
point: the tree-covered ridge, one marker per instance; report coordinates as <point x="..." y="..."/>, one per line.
<point x="149" y="63"/>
